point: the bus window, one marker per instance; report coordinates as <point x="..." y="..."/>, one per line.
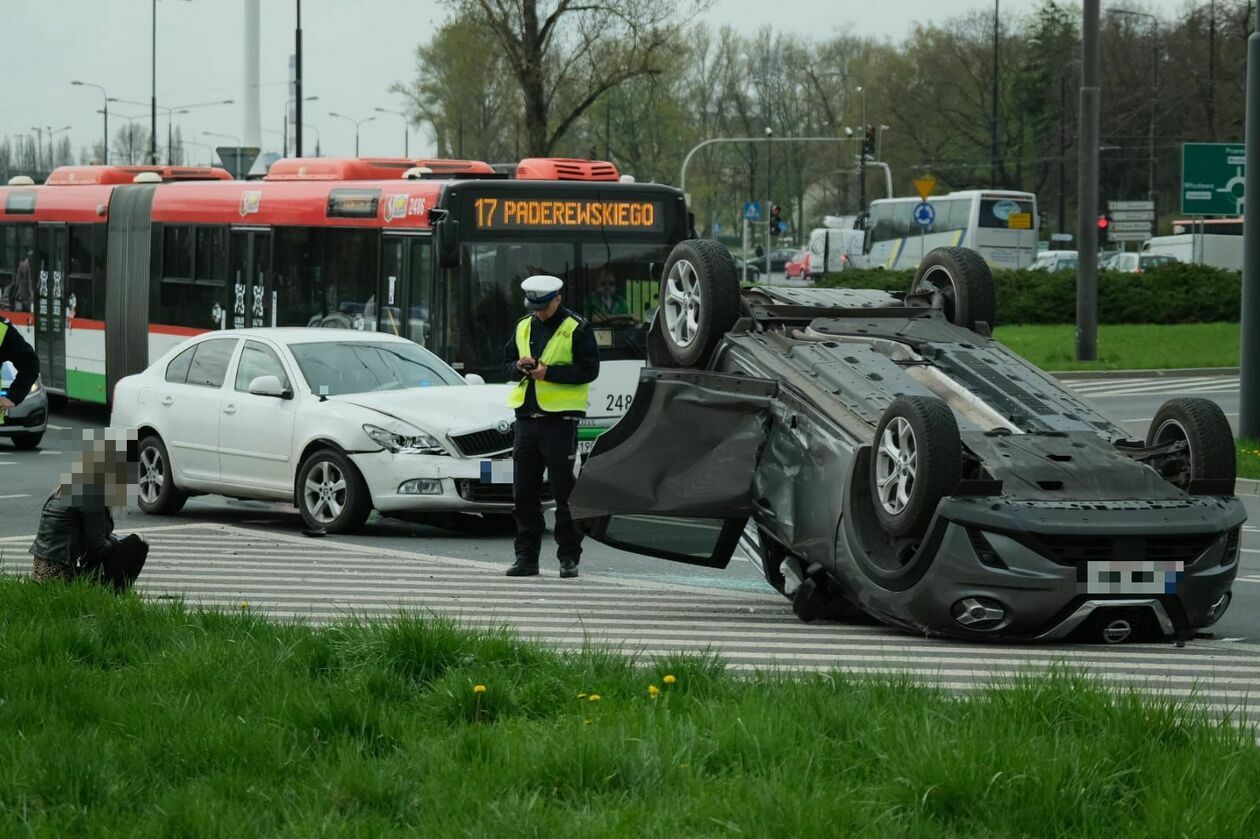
<point x="183" y="295"/>
<point x="903" y="223"/>
<point x="19" y="267"/>
<point x="298" y="273"/>
<point x="85" y="294"/>
<point x="618" y="291"/>
<point x="996" y="212"/>
<point x="420" y="292"/>
<point x="8" y="263"/>
<point x="350" y="280"/>
<point x="880" y="224"/>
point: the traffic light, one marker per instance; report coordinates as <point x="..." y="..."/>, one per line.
<point x="776" y="220"/>
<point x="868" y="142"/>
<point x="1104" y="225"/>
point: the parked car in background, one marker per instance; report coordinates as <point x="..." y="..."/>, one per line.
<point x="779" y="258"/>
<point x="798" y="266"/>
<point x="1054" y="261"/>
<point x="25" y="424"/>
<point x="744" y="266"/>
<point x="1136" y="263"/>
<point x="336" y="421"/>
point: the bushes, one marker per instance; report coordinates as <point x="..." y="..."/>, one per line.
<point x="1173" y="293"/>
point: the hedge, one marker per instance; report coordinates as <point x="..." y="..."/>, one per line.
<point x="1173" y="293"/>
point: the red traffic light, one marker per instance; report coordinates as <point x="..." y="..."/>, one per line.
<point x="1103" y="222"/>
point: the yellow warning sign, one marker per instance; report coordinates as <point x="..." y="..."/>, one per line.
<point x="1019" y="221"/>
<point x="925" y="185"/>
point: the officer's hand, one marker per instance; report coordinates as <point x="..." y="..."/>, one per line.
<point x="6" y="403"/>
<point x="538" y="373"/>
<point x="523" y="364"/>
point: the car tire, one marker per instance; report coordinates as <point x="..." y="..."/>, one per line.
<point x="159" y="496"/>
<point x="699" y="300"/>
<point x="27" y="442"/>
<point x="964" y="282"/>
<point x="1202" y="425"/>
<point x="331" y="494"/>
<point x="916" y="460"/>
<point x="658" y="353"/>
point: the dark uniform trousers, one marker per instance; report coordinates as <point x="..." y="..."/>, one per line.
<point x="544" y="443"/>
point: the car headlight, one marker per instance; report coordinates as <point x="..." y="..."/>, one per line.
<point x="35" y="387"/>
<point x="410" y="444"/>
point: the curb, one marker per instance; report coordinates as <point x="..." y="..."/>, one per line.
<point x="1246" y="486"/>
<point x="1180" y="372"/>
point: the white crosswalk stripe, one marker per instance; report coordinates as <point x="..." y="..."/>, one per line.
<point x="321" y="581"/>
<point x="1194" y="385"/>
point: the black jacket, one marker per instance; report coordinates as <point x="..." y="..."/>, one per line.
<point x="71" y="524"/>
<point x="583" y="370"/>
<point x="21" y="355"/>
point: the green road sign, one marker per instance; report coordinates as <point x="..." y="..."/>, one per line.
<point x="1212" y="179"/>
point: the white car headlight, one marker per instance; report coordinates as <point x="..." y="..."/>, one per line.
<point x="38" y="384"/>
<point x="410" y="444"/>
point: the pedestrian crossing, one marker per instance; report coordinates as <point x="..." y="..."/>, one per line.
<point x="1155" y="386"/>
<point x="325" y="580"/>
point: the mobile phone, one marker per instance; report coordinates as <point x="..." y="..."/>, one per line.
<point x="528" y="365"/>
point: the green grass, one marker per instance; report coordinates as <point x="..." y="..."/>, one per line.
<point x="119" y="717"/>
<point x="1127" y="346"/>
<point x="1249" y="459"/>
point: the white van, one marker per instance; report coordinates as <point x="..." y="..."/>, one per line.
<point x="832" y="250"/>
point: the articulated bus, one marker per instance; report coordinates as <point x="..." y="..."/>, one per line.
<point x="1001" y="225"/>
<point x="103" y="273"/>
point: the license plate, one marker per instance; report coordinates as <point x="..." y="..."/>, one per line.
<point x="1146" y="576"/>
<point x="496" y="471"/>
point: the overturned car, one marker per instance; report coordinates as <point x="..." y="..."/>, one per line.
<point x="883" y="456"/>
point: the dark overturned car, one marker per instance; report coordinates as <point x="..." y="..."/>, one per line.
<point x="883" y="456"/>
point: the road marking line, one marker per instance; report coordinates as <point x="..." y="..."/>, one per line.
<point x="18" y="495"/>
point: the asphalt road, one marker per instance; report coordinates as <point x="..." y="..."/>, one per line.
<point x="29" y="476"/>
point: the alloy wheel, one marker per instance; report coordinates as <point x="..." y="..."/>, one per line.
<point x="325" y="492"/>
<point x="682" y="303"/>
<point x="152" y="475"/>
<point x="896" y="462"/>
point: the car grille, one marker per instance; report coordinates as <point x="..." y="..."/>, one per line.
<point x="480" y="493"/>
<point x="32" y="420"/>
<point x="1074" y="550"/>
<point x="487" y="441"/>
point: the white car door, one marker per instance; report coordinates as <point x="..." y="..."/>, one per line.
<point x="188" y="406"/>
<point x="256" y="432"/>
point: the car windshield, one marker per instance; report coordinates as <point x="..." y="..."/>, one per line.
<point x="1153" y="261"/>
<point x="338" y="367"/>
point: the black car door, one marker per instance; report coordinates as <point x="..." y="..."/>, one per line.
<point x="673" y="478"/>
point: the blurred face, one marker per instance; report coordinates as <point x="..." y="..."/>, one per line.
<point x="606" y="285"/>
<point x="544" y="314"/>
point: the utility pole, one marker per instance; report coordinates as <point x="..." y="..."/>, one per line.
<point x="1062" y="153"/>
<point x="1249" y="381"/>
<point x="993" y="131"/>
<point x="1211" y="103"/>
<point x="153" y="94"/>
<point x="1087" y="191"/>
<point x="862" y="157"/>
<point x="297" y="88"/>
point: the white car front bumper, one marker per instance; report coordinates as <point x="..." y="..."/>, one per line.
<point x="466" y="484"/>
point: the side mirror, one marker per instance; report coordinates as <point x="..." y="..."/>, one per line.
<point x="269" y="386"/>
<point x="446" y="232"/>
<point x="474" y="379"/>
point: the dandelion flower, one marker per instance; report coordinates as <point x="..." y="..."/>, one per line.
<point x="479" y="688"/>
<point x="581" y="696"/>
<point x="244" y="604"/>
<point x="669" y="679"/>
<point x="653" y="691"/>
<point x="594" y="697"/>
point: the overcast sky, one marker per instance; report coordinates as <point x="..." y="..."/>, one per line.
<point x="353" y="49"/>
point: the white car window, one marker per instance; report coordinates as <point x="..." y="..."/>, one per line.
<point x="177" y="370"/>
<point x="210" y="362"/>
<point x="258" y="360"/>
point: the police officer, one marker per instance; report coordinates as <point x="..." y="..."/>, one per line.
<point x="553" y="359"/>
<point x="15" y="350"/>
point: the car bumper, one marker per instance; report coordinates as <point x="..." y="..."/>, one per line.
<point x="31" y="417"/>
<point x="1041" y="566"/>
<point x="467" y="485"/>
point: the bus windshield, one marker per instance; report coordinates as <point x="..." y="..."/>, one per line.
<point x="614" y="285"/>
<point x="339" y="367"/>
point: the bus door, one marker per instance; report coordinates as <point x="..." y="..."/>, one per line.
<point x="249" y="273"/>
<point x="51" y="251"/>
<point x="405" y="286"/>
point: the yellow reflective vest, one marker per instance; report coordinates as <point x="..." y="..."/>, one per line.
<point x="553" y="397"/>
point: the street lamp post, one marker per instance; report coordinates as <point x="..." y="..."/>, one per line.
<point x="153" y="106"/>
<point x="406" y="128"/>
<point x="51" y="160"/>
<point x="862" y="156"/>
<point x="1150" y="140"/>
<point x="297" y="130"/>
<point x="314" y="128"/>
<point x="170" y="112"/>
<point x="105" y="111"/>
<point x="357" y="123"/>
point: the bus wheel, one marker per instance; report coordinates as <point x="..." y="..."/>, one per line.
<point x="331" y="494"/>
<point x="965" y="285"/>
<point x="699" y="300"/>
<point x="158" y="494"/>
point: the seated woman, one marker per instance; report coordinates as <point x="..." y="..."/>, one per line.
<point x="76" y="530"/>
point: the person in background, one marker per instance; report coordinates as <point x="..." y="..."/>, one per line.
<point x="605" y="304"/>
<point x="553" y="359"/>
<point x="76" y="528"/>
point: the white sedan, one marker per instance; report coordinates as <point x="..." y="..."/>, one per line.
<point x="335" y="421"/>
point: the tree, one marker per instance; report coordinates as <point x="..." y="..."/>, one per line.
<point x="565" y="54"/>
<point x="131" y="143"/>
<point x="177" y="147"/>
<point x="63" y="153"/>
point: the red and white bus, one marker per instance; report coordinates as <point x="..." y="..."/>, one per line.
<point x="103" y="272"/>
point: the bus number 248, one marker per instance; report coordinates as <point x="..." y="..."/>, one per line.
<point x="619" y="401"/>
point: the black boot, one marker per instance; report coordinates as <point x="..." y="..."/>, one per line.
<point x="522" y="568"/>
<point x="568" y="568"/>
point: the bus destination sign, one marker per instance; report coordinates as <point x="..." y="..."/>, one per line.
<point x="567" y="214"/>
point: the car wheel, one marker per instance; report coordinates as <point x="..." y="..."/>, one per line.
<point x="156" y="480"/>
<point x="964" y="282"/>
<point x="1202" y="425"/>
<point x="699" y="300"/>
<point x="331" y="494"/>
<point x="26" y="442"/>
<point x="916" y="461"/>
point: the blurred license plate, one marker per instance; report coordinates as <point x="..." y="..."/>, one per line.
<point x="496" y="471"/>
<point x="1146" y="576"/>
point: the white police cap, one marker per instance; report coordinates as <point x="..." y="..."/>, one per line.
<point x="540" y="290"/>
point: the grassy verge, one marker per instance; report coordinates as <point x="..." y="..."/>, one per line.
<point x="121" y="717"/>
<point x="1127" y="346"/>
<point x="1249" y="459"/>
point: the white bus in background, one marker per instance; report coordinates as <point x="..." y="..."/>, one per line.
<point x="1001" y="225"/>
